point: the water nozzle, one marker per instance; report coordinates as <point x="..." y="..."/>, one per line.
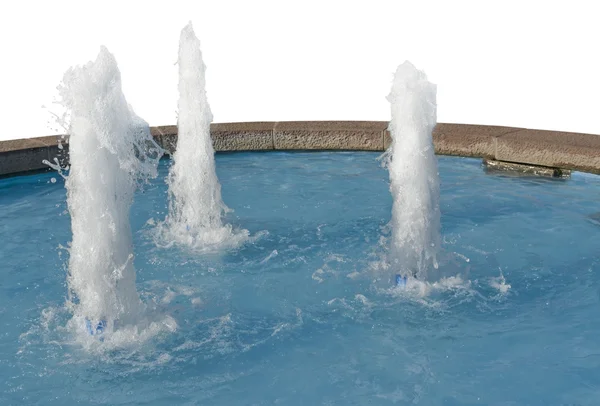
<point x="97" y="329"/>
<point x="400" y="281"/>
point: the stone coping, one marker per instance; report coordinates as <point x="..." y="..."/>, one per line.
<point x="554" y="149"/>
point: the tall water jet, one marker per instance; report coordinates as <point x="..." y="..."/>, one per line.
<point x="414" y="174"/>
<point x="196" y="209"/>
<point x="111" y="150"/>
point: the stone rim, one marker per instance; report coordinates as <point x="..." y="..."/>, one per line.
<point x="553" y="149"/>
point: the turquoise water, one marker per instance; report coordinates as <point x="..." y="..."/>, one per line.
<point x="298" y="317"/>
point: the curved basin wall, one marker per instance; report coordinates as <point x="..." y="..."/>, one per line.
<point x="574" y="151"/>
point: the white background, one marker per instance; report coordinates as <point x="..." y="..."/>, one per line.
<point x="516" y="63"/>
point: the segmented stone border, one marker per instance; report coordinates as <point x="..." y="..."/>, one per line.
<point x="553" y="149"/>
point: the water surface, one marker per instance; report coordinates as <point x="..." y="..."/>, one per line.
<point x="297" y="317"/>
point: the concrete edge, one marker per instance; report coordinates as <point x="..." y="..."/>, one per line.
<point x="553" y="149"/>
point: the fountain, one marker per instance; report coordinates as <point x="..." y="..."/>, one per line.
<point x="413" y="175"/>
<point x="111" y="150"/>
<point x="298" y="308"/>
<point x="196" y="209"/>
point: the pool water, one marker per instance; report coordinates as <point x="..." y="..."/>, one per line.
<point x="301" y="316"/>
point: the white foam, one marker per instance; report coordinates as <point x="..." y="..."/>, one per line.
<point x="316" y="276"/>
<point x="499" y="283"/>
<point x="111" y="152"/>
<point x="421" y="289"/>
<point x="168" y="297"/>
<point x="129" y="335"/>
<point x="362" y="299"/>
<point x="196" y="210"/>
<point x="273" y="254"/>
<point x="414" y="179"/>
<point x="196" y="301"/>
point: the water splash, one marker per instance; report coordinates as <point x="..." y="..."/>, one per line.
<point x="196" y="209"/>
<point x="413" y="174"/>
<point x="499" y="283"/>
<point x="111" y="153"/>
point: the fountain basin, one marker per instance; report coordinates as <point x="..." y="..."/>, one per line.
<point x="307" y="314"/>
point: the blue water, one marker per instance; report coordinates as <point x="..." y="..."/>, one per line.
<point x="299" y="316"/>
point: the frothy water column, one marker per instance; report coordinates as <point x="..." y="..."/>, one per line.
<point x="111" y="150"/>
<point x="196" y="209"/>
<point x="413" y="174"/>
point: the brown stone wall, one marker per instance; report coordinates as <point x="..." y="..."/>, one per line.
<point x="565" y="150"/>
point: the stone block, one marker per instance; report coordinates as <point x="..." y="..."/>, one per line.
<point x="29" y="143"/>
<point x="166" y="137"/>
<point x="256" y="136"/>
<point x="22" y="160"/>
<point x="463" y="139"/>
<point x="329" y="135"/>
<point x="524" y="169"/>
<point x="551" y="148"/>
<point x="468" y="140"/>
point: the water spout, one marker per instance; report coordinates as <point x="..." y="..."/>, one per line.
<point x="111" y="151"/>
<point x="414" y="175"/>
<point x="196" y="209"/>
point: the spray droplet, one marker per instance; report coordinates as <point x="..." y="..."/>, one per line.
<point x="52" y="180"/>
